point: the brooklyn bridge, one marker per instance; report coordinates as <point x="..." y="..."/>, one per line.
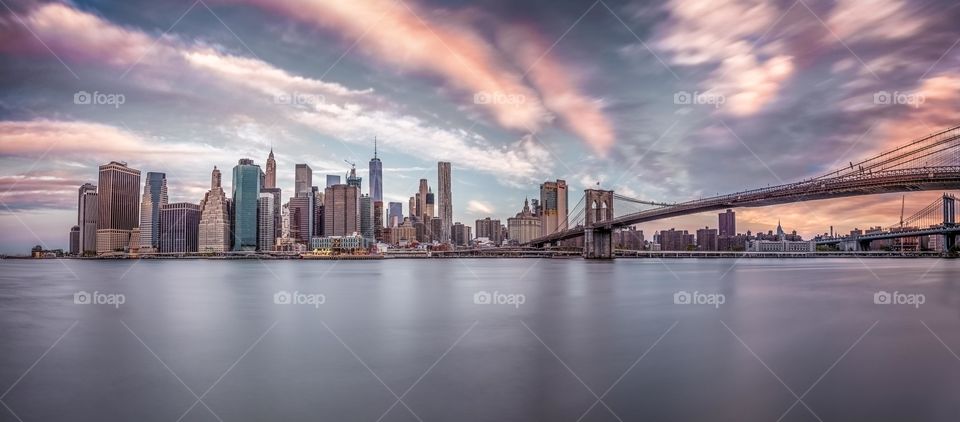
<point x="928" y="163"/>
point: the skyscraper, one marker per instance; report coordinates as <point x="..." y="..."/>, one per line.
<point x="214" y="230"/>
<point x="366" y="217"/>
<point x="154" y="197"/>
<point x="332" y="179"/>
<point x="301" y="216"/>
<point x="553" y="206"/>
<point x="179" y="227"/>
<point x="303" y="179"/>
<point x="706" y="239"/>
<point x="246" y="194"/>
<point x="353" y="179"/>
<point x="266" y="221"/>
<point x="429" y="204"/>
<point x="270" y="180"/>
<point x="340" y="210"/>
<point x="422" y="199"/>
<point x="75" y="240"/>
<point x="376" y="176"/>
<point x="276" y="208"/>
<point x="728" y="223"/>
<point x="87" y="210"/>
<point x="118" y="210"/>
<point x="395" y="214"/>
<point x="444" y="200"/>
<point x="413" y="206"/>
<point x="378" y="221"/>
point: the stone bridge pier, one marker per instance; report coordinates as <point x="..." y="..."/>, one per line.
<point x="597" y="232"/>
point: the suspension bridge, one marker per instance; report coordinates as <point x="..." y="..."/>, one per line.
<point x="937" y="218"/>
<point x="931" y="162"/>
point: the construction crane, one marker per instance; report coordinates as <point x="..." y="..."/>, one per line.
<point x="354" y="165"/>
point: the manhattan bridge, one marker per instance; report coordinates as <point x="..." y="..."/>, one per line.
<point x="928" y="163"/>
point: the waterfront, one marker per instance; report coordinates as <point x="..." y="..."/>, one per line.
<point x="410" y="329"/>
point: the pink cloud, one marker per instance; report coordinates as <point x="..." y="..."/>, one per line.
<point x="582" y="115"/>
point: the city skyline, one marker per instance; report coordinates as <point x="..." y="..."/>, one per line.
<point x="57" y="131"/>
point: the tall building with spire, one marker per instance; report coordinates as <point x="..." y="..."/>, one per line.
<point x="444" y="201"/>
<point x="525" y="226"/>
<point x="118" y="206"/>
<point x="376" y="176"/>
<point x="154" y="198"/>
<point x="270" y="180"/>
<point x="214" y="230"/>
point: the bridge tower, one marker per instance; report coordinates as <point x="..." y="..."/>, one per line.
<point x="597" y="231"/>
<point x="949" y="221"/>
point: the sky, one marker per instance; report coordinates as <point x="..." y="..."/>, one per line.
<point x="660" y="100"/>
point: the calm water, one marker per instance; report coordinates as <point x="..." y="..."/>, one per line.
<point x="410" y="329"/>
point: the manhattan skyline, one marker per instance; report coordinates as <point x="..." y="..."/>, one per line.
<point x="598" y="83"/>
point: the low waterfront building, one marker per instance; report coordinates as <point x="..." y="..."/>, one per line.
<point x="781" y="246"/>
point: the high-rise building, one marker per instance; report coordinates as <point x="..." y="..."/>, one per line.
<point x="460" y="234"/>
<point x="430" y="204"/>
<point x="366" y="217"/>
<point x="317" y="222"/>
<point x="302" y="180"/>
<point x="333" y="180"/>
<point x="340" y="210"/>
<point x="214" y="231"/>
<point x="270" y="179"/>
<point x="444" y="200"/>
<point x="277" y="211"/>
<point x="118" y="210"/>
<point x="707" y="239"/>
<point x="422" y="200"/>
<point x="413" y="208"/>
<point x="378" y="221"/>
<point x="87" y="210"/>
<point x="154" y="197"/>
<point x="553" y="206"/>
<point x="489" y="229"/>
<point x="376" y="176"/>
<point x="246" y="194"/>
<point x="179" y="227"/>
<point x="75" y="240"/>
<point x="525" y="226"/>
<point x="728" y="223"/>
<point x="395" y="214"/>
<point x="354" y="180"/>
<point x="300" y="211"/>
<point x="676" y="240"/>
<point x="266" y="220"/>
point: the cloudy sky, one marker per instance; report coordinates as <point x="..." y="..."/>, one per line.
<point x="659" y="100"/>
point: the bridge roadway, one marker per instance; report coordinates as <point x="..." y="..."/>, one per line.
<point x="860" y="183"/>
<point x="891" y="235"/>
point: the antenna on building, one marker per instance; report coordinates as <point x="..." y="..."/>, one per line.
<point x="374" y="146"/>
